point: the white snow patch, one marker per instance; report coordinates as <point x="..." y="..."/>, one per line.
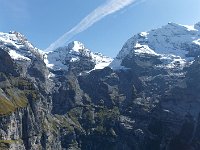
<point x="76" y="46"/>
<point x="14" y="55"/>
<point x="101" y="65"/>
<point x="177" y="62"/>
<point x="197" y="41"/>
<point x="10" y="39"/>
<point x="171" y="61"/>
<point x="74" y="59"/>
<point x="55" y="60"/>
<point x="100" y="60"/>
<point x="144" y="34"/>
<point x="144" y="49"/>
<point x="189" y="27"/>
<point x="51" y="75"/>
<point x="46" y="61"/>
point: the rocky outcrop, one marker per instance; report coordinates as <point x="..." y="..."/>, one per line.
<point x="6" y="64"/>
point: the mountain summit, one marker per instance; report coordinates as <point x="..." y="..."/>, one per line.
<point x="18" y="46"/>
<point x="75" y="56"/>
<point x="172" y="43"/>
<point x="76" y="46"/>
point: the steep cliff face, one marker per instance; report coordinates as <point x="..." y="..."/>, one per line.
<point x="161" y="59"/>
<point x="147" y="99"/>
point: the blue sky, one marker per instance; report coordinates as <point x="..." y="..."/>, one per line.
<point x="44" y="21"/>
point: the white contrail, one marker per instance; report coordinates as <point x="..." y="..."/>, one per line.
<point x="111" y="6"/>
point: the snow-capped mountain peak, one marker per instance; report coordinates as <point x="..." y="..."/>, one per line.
<point x="76" y="46"/>
<point x="18" y="46"/>
<point x="168" y="42"/>
<point x="64" y="58"/>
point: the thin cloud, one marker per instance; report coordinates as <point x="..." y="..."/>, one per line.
<point x="111" y="6"/>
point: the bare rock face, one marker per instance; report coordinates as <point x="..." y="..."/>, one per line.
<point x="70" y="99"/>
<point x="6" y="64"/>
